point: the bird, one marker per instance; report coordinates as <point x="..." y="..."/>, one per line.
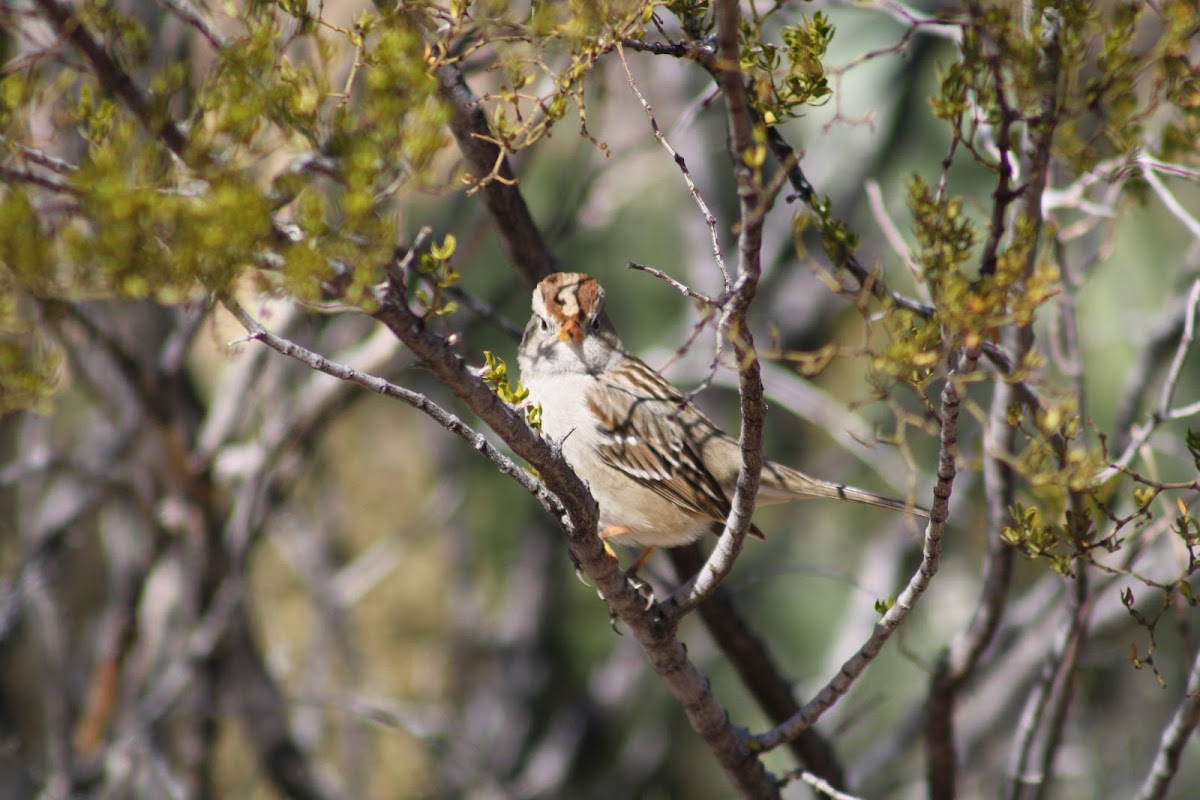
<point x="662" y="473"/>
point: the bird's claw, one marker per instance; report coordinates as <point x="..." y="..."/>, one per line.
<point x="642" y="588"/>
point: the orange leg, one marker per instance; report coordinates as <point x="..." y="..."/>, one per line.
<point x="631" y="573"/>
<point x="608" y="533"/>
<point x="641" y="561"/>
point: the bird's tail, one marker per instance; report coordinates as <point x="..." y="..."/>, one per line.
<point x="781" y="484"/>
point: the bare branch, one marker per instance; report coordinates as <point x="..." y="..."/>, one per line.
<point x="888" y="226"/>
<point x="48" y="622"/>
<point x="1168" y="199"/>
<point x="418" y="401"/>
<point x="753" y="203"/>
<point x="758" y="668"/>
<point x="40" y="157"/>
<point x="709" y="219"/>
<point x="192" y="16"/>
<point x="917" y="584"/>
<point x="1174" y="738"/>
<point x="1140" y="434"/>
<point x="823" y="787"/>
<point x="520" y="236"/>
<point x="1181" y="352"/>
<point x="674" y="284"/>
<point x="18" y="175"/>
<point x="1050" y="695"/>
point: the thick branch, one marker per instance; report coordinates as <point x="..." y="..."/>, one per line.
<point x="654" y="632"/>
<point x="519" y="235"/>
<point x="756" y="666"/>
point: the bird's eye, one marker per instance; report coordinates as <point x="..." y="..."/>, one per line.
<point x="595" y="323"/>
<point x="545" y="326"/>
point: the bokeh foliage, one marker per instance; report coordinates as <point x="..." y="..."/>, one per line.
<point x="290" y="152"/>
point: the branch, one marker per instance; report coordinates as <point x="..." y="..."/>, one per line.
<point x="192" y="16"/>
<point x="570" y="504"/>
<point x="418" y="401"/>
<point x="960" y="659"/>
<point x="788" y="160"/>
<point x="18" y="175"/>
<point x="1051" y="693"/>
<point x="654" y="631"/>
<point x="1186" y="338"/>
<point x="1174" y="738"/>
<point x="47" y="617"/>
<point x="263" y="709"/>
<point x="709" y="219"/>
<point x="519" y="234"/>
<point x="39" y="157"/>
<point x="112" y="76"/>
<point x="1181" y="324"/>
<point x="935" y="26"/>
<point x="1164" y="194"/>
<point x="917" y="584"/>
<point x="753" y="204"/>
<point x="757" y="668"/>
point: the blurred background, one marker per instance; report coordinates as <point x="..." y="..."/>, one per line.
<point x="226" y="575"/>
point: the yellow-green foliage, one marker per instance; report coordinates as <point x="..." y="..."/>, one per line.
<point x="1082" y="68"/>
<point x="31" y="365"/>
<point x="495" y="374"/>
<point x="973" y="303"/>
<point x="435" y="267"/>
<point x="561" y="42"/>
<point x="786" y="78"/>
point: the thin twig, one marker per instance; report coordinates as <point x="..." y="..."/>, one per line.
<point x="890" y="231"/>
<point x="192" y="16"/>
<point x="917" y="584"/>
<point x="1168" y="199"/>
<point x="485" y="311"/>
<point x="676" y="285"/>
<point x="1142" y="433"/>
<point x="1174" y="738"/>
<point x="709" y="219"/>
<point x="785" y="155"/>
<point x="754" y="202"/>
<point x="40" y="157"/>
<point x="418" y="401"/>
<point x="18" y="175"/>
<point x="823" y="787"/>
<point x="1181" y="352"/>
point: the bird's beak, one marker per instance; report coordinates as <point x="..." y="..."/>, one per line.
<point x="570" y="331"/>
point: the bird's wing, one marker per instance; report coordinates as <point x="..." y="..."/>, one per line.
<point x="640" y="408"/>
